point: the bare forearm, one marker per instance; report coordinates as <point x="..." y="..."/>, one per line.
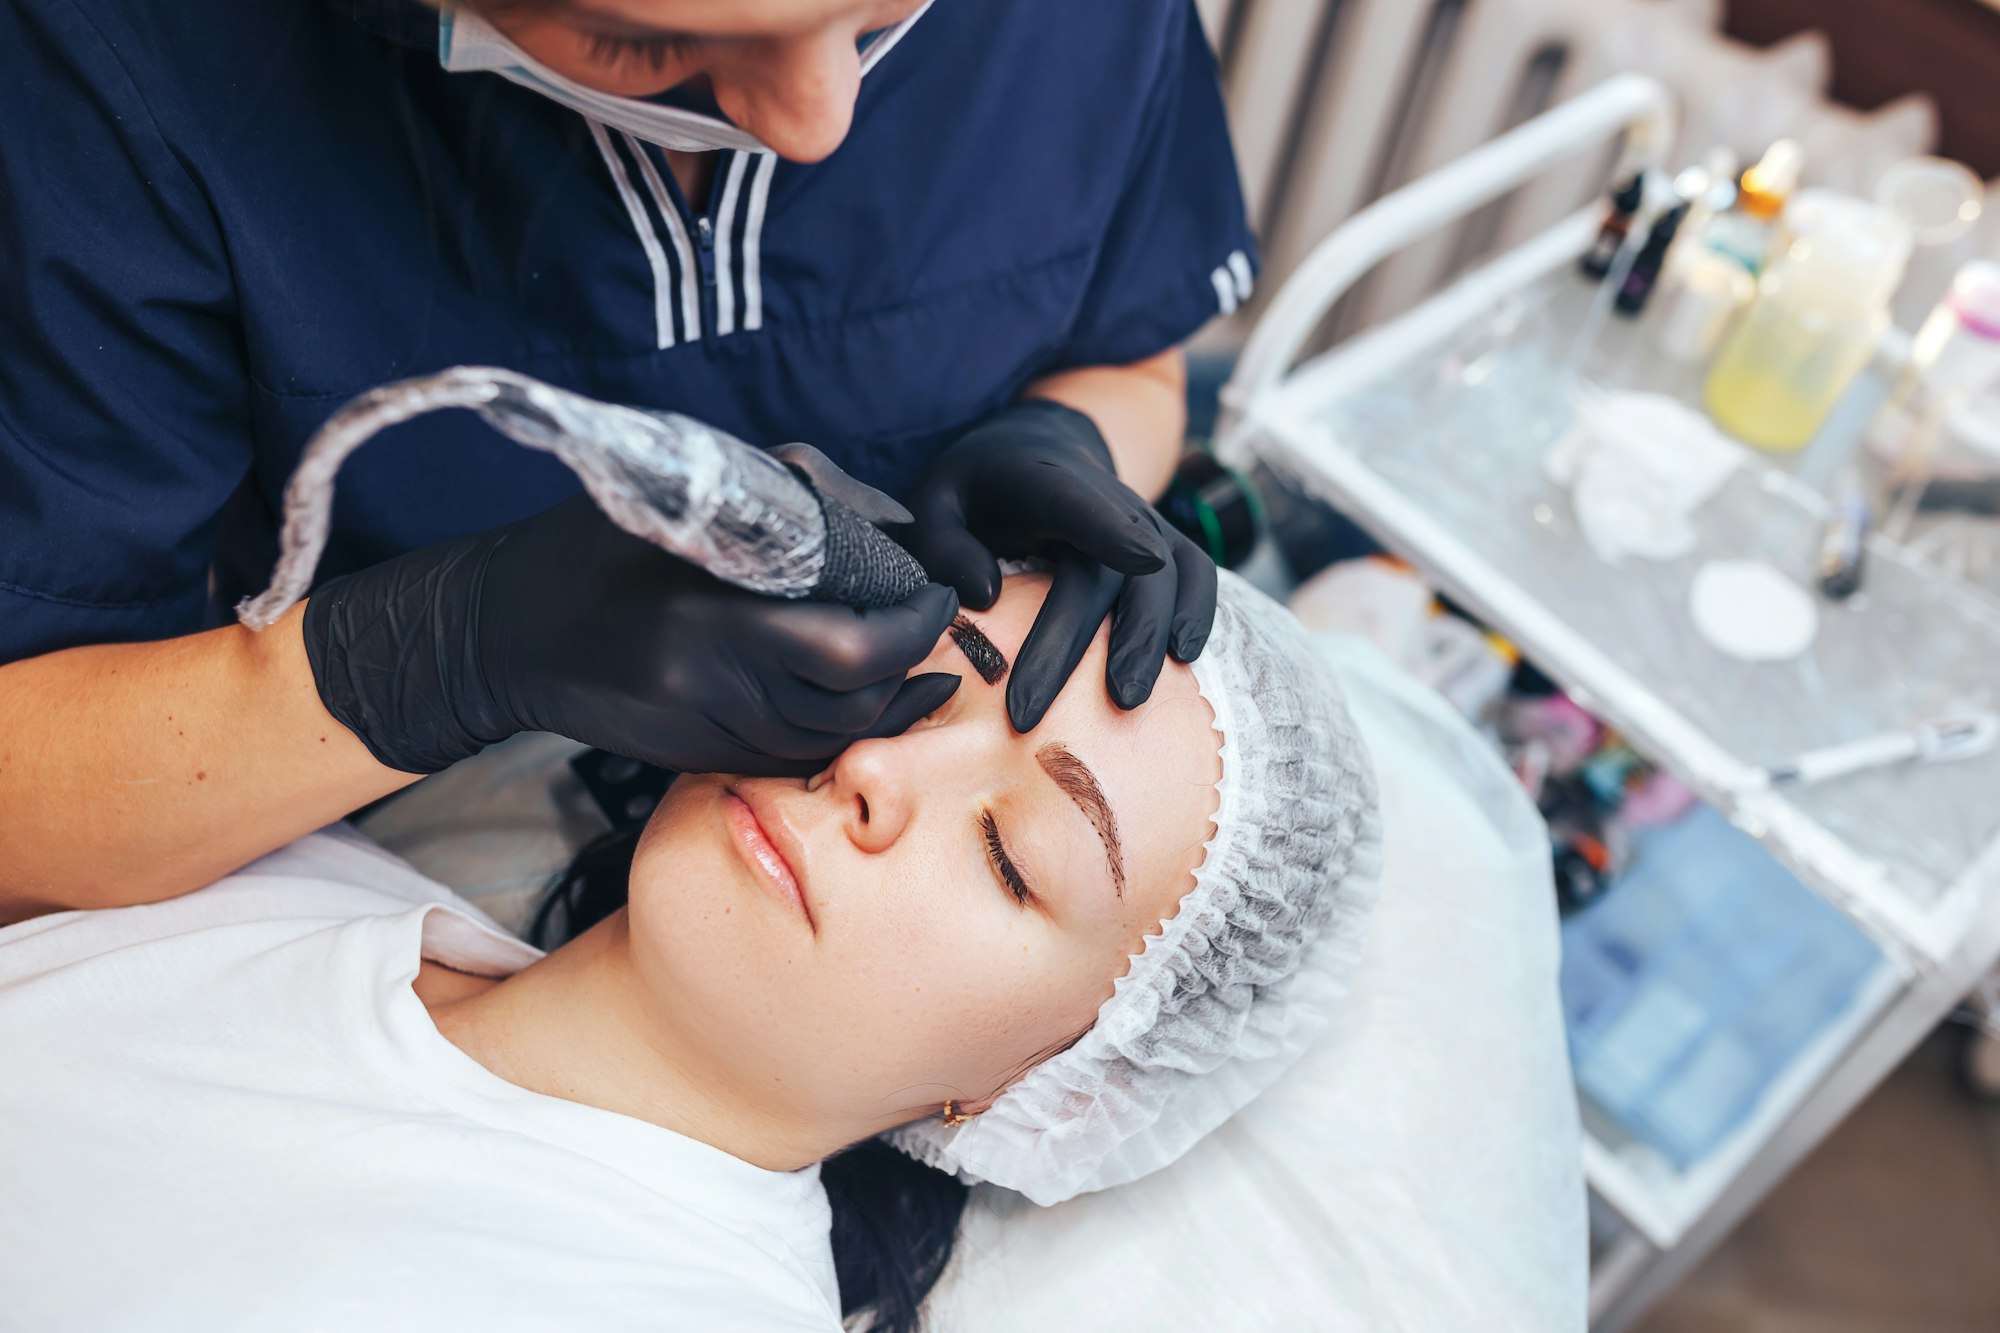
<point x="1141" y="409"/>
<point x="134" y="772"/>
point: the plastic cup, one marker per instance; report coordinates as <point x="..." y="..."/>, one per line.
<point x="1941" y="200"/>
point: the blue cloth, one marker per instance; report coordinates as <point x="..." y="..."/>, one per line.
<point x="1701" y="976"/>
<point x="220" y="221"/>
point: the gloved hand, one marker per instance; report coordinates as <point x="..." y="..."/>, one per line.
<point x="566" y="623"/>
<point x="1037" y="479"/>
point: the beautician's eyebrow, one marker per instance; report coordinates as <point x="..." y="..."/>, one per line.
<point x="1080" y="785"/>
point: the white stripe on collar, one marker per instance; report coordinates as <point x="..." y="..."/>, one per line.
<point x="725" y="219"/>
<point x="649" y="241"/>
<point x="753" y="239"/>
<point x="760" y="168"/>
<point x="677" y="232"/>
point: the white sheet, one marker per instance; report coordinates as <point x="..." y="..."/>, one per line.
<point x="229" y="1111"/>
<point x="1419" y="1169"/>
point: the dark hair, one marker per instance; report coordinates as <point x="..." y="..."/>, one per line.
<point x="895" y="1220"/>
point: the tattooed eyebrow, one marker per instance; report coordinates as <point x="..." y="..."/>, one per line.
<point x="987" y="660"/>
<point x="1080" y="785"/>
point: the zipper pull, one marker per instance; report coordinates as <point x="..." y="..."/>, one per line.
<point x="706" y="230"/>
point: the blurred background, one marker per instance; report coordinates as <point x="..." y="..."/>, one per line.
<point x="1335" y="102"/>
<point x="1779" y="1012"/>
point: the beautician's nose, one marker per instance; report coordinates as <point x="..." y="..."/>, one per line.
<point x="797" y="94"/>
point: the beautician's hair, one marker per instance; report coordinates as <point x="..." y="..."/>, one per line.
<point x="895" y="1220"/>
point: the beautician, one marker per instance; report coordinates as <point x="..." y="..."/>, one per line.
<point x="954" y="246"/>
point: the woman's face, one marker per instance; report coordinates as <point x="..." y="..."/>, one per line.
<point x="786" y="71"/>
<point x="935" y="912"/>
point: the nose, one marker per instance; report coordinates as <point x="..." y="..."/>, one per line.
<point x="880" y="784"/>
<point x="872" y="780"/>
<point x="796" y="94"/>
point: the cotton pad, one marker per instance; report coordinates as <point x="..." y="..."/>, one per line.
<point x="1749" y="610"/>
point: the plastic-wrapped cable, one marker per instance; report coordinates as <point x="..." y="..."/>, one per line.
<point x="683" y="485"/>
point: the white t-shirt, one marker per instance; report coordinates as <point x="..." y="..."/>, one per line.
<point x="230" y="1111"/>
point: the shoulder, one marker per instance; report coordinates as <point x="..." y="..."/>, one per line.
<point x="1025" y="110"/>
<point x="601" y="1253"/>
<point x="1051" y="99"/>
<point x="1041" y="55"/>
<point x="555" y="1281"/>
<point x="326" y="878"/>
<point x="148" y="35"/>
<point x="175" y="64"/>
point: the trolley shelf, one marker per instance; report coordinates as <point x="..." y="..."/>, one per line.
<point x="1431" y="431"/>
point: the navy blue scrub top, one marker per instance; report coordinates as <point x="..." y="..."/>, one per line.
<point x="221" y="220"/>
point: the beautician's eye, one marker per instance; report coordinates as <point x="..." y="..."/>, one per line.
<point x="652" y="52"/>
<point x="1003" y="865"/>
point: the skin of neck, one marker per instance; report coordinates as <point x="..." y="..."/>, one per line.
<point x="578" y="1025"/>
<point x="694" y="173"/>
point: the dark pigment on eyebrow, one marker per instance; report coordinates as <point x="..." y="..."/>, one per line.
<point x="978" y="650"/>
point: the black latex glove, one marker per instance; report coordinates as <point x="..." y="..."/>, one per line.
<point x="566" y="623"/>
<point x="1037" y="479"/>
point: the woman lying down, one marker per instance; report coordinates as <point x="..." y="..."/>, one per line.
<point x="326" y="1093"/>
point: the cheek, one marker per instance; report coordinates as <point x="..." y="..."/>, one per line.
<point x="964" y="993"/>
<point x="925" y="981"/>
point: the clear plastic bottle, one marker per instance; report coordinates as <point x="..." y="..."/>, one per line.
<point x="1955" y="356"/>
<point x="1820" y="309"/>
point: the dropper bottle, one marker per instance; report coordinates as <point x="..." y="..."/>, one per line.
<point x="1617" y="225"/>
<point x="1744" y="232"/>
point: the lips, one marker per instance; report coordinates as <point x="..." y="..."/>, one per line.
<point x="751" y="831"/>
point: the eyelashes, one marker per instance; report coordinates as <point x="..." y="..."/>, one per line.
<point x="986" y="660"/>
<point x="996" y="852"/>
<point x="652" y="52"/>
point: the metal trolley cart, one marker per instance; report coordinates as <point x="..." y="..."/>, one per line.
<point x="1431" y="431"/>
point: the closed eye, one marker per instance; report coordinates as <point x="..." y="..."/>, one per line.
<point x="1003" y="865"/>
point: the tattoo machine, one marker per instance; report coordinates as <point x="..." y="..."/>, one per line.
<point x="685" y="486"/>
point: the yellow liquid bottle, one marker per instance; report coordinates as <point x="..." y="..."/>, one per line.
<point x="1820" y="310"/>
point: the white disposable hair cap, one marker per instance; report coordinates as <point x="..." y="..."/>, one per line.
<point x="1232" y="989"/>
